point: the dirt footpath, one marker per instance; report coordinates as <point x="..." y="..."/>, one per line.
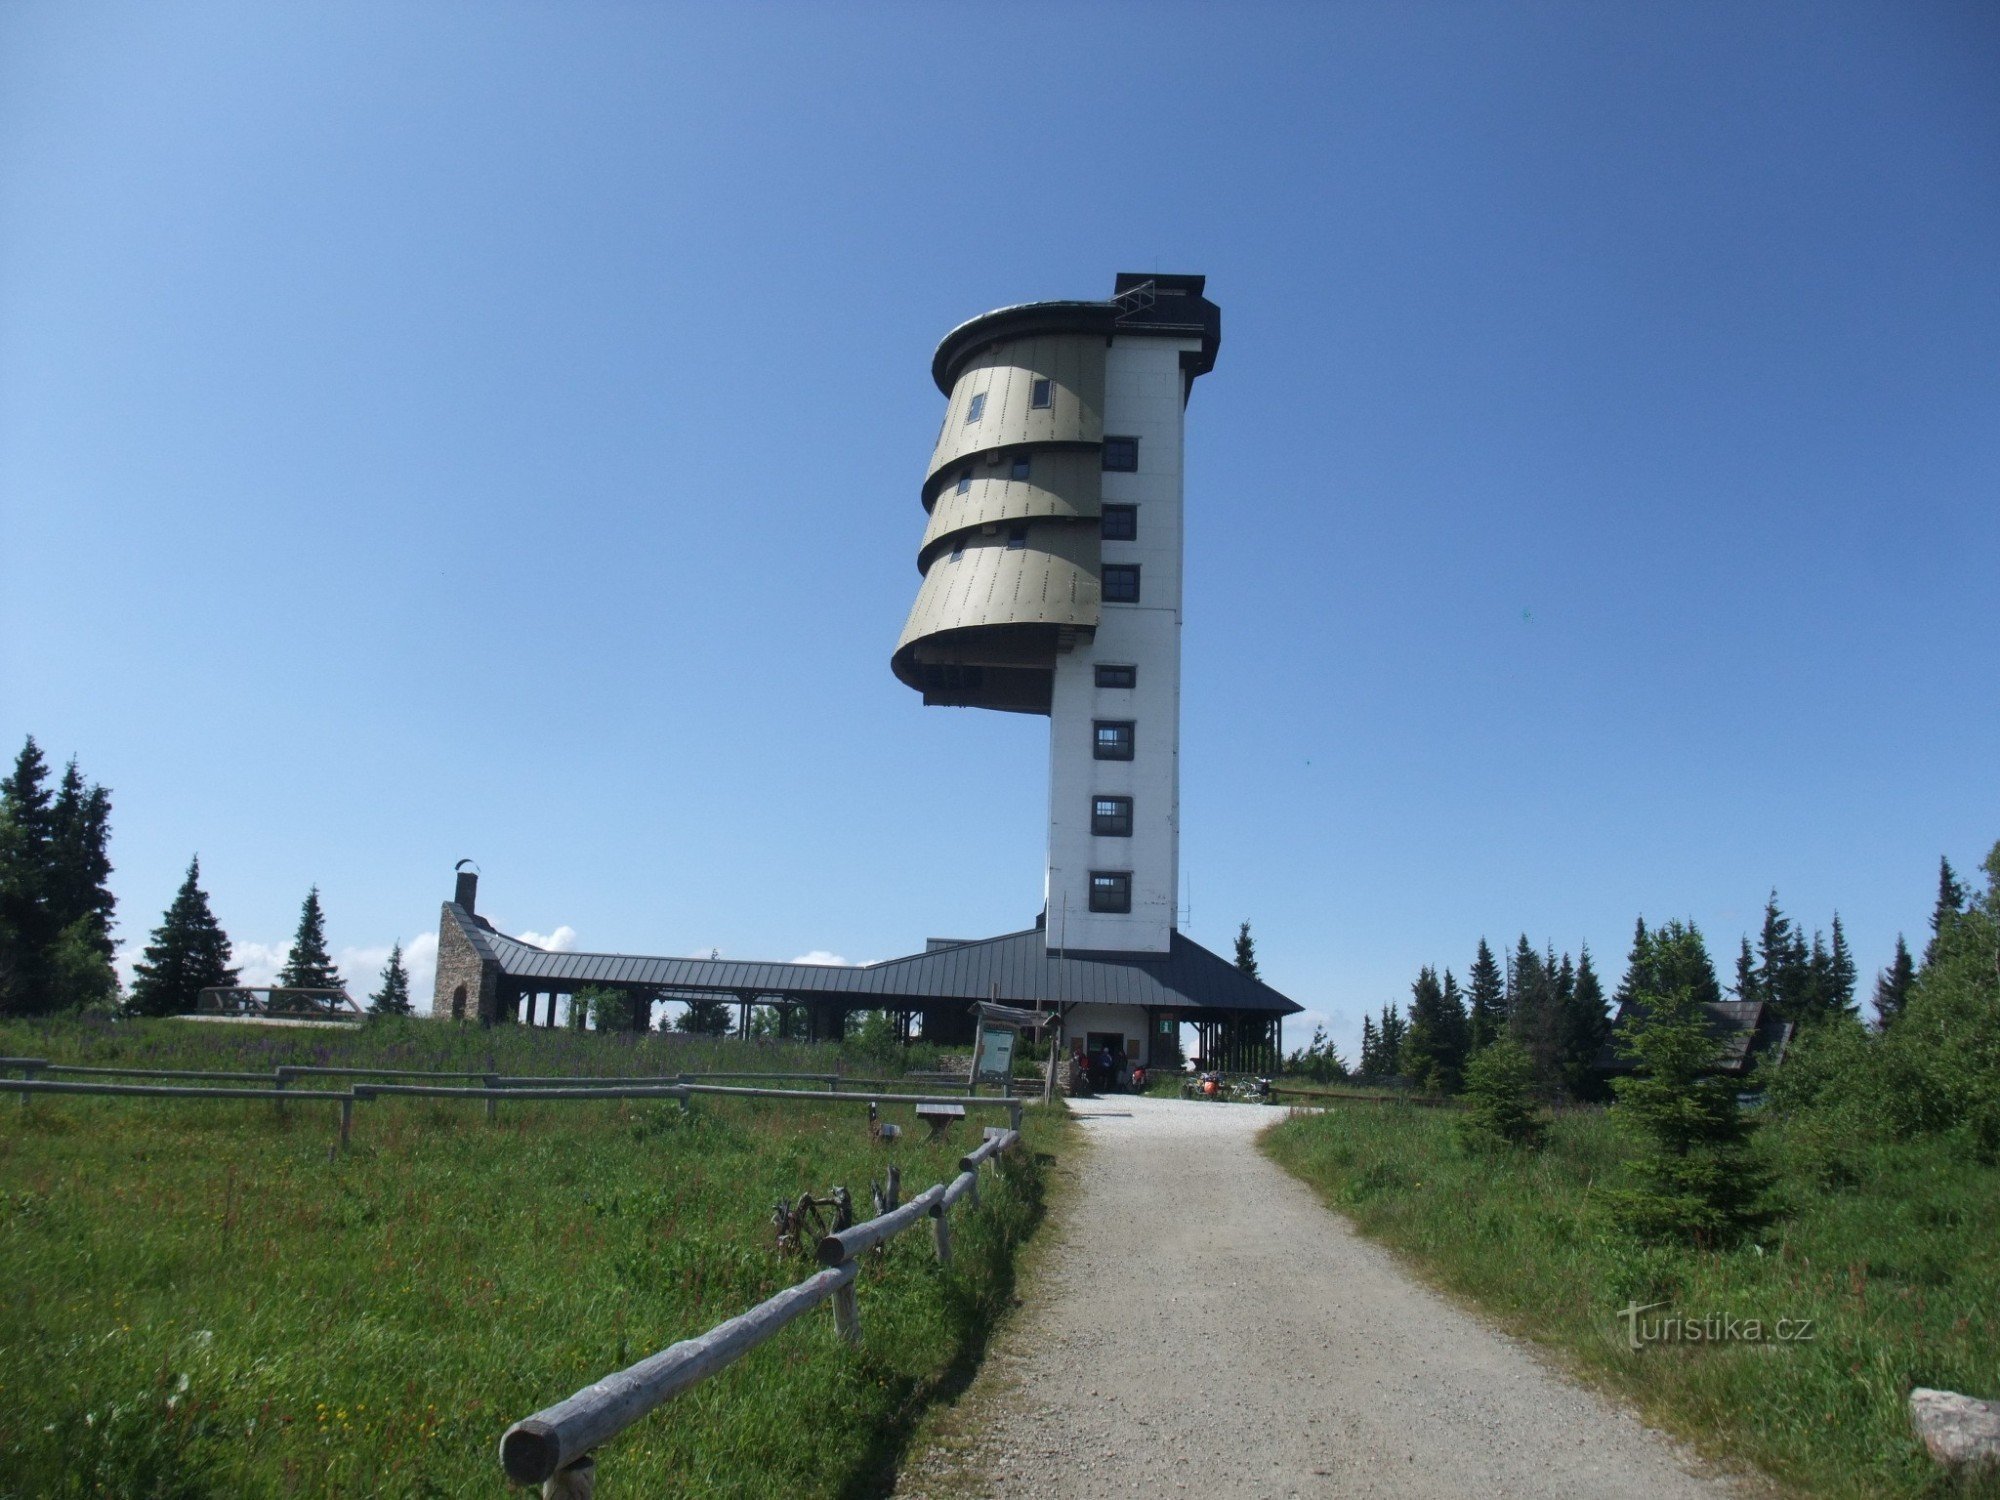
<point x="1202" y="1324"/>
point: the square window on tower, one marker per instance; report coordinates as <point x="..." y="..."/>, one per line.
<point x="1020" y="468"/>
<point x="976" y="409"/>
<point x="1121" y="583"/>
<point x="1121" y="455"/>
<point x="1117" y="677"/>
<point x="1113" y="739"/>
<point x="1120" y="523"/>
<point x="1111" y="817"/>
<point x="1017" y="538"/>
<point x="1110" y="890"/>
<point x="1043" y="395"/>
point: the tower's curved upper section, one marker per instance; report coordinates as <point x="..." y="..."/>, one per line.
<point x="1009" y="556"/>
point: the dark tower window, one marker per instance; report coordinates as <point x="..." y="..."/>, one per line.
<point x="1118" y="677"/>
<point x="1017" y="538"/>
<point x="1121" y="455"/>
<point x="1020" y="469"/>
<point x="1043" y="395"/>
<point x="1121" y="523"/>
<point x="1121" y="583"/>
<point x="1110" y="890"/>
<point x="977" y="409"/>
<point x="964" y="480"/>
<point x="1113" y="740"/>
<point x="1111" y="817"/>
<point x="458" y="1003"/>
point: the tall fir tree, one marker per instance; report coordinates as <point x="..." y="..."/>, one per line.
<point x="1432" y="1055"/>
<point x="1486" y="997"/>
<point x="393" y="998"/>
<point x="1892" y="986"/>
<point x="80" y="901"/>
<point x="1784" y="978"/>
<point x="189" y="953"/>
<point x="1371" y="1047"/>
<point x="1534" y="1014"/>
<point x="27" y="859"/>
<point x="309" y="966"/>
<point x="1246" y="951"/>
<point x="1667" y="959"/>
<point x="1747" y="986"/>
<point x="1636" y="962"/>
<point x="1693" y="1179"/>
<point x="1458" y="1031"/>
<point x="1950" y="902"/>
<point x="1840" y="975"/>
<point x="1389" y="1035"/>
<point x="1586" y="1029"/>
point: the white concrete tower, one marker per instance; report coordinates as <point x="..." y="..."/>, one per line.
<point x="1052" y="577"/>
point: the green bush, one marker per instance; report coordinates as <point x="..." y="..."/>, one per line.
<point x="1692" y="1178"/>
<point x="1499" y="1100"/>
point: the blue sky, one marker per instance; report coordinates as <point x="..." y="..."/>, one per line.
<point x="494" y="431"/>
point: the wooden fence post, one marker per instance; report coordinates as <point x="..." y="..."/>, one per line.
<point x="941" y="1233"/>
<point x="577" y="1482"/>
<point x="847" y="1314"/>
<point x="346" y="1119"/>
<point x="492" y="1104"/>
<point x="279" y="1078"/>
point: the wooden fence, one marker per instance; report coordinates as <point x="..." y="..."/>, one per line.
<point x="554" y="1446"/>
<point x="491" y="1088"/>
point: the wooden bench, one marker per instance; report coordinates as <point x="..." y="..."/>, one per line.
<point x="940" y="1117"/>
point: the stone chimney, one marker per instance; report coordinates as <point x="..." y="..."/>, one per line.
<point x="468" y="890"/>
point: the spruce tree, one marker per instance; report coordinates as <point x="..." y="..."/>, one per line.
<point x="1488" y="999"/>
<point x="1637" y="964"/>
<point x="1534" y="1013"/>
<point x="1499" y="1099"/>
<point x="1389" y="1037"/>
<point x="79" y="895"/>
<point x="27" y="876"/>
<point x="1747" y="986"/>
<point x="1246" y="951"/>
<point x="1433" y="1050"/>
<point x="189" y="953"/>
<point x="1781" y="974"/>
<point x="1840" y="975"/>
<point x="1692" y="1179"/>
<point x="1586" y="1029"/>
<point x="705" y="1016"/>
<point x="1950" y="902"/>
<point x="1892" y="986"/>
<point x="393" y="999"/>
<point x="1457" y="1033"/>
<point x="1370" y="1048"/>
<point x="309" y="966"/>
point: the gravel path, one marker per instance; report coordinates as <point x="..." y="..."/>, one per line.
<point x="1202" y="1325"/>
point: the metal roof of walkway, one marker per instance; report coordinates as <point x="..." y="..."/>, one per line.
<point x="1015" y="968"/>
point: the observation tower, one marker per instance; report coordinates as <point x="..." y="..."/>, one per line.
<point x="1051" y="563"/>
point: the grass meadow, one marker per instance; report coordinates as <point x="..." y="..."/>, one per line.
<point x="1896" y="1264"/>
<point x="202" y="1299"/>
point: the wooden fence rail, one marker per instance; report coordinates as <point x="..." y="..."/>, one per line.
<point x="539" y="1448"/>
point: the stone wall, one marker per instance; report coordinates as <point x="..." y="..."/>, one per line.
<point x="466" y="988"/>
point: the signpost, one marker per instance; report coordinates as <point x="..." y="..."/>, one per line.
<point x="993" y="1060"/>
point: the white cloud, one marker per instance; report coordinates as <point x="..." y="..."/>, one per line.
<point x="821" y="956"/>
<point x="562" y="940"/>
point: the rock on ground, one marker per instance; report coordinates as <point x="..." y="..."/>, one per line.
<point x="1957" y="1430"/>
<point x="1201" y="1324"/>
